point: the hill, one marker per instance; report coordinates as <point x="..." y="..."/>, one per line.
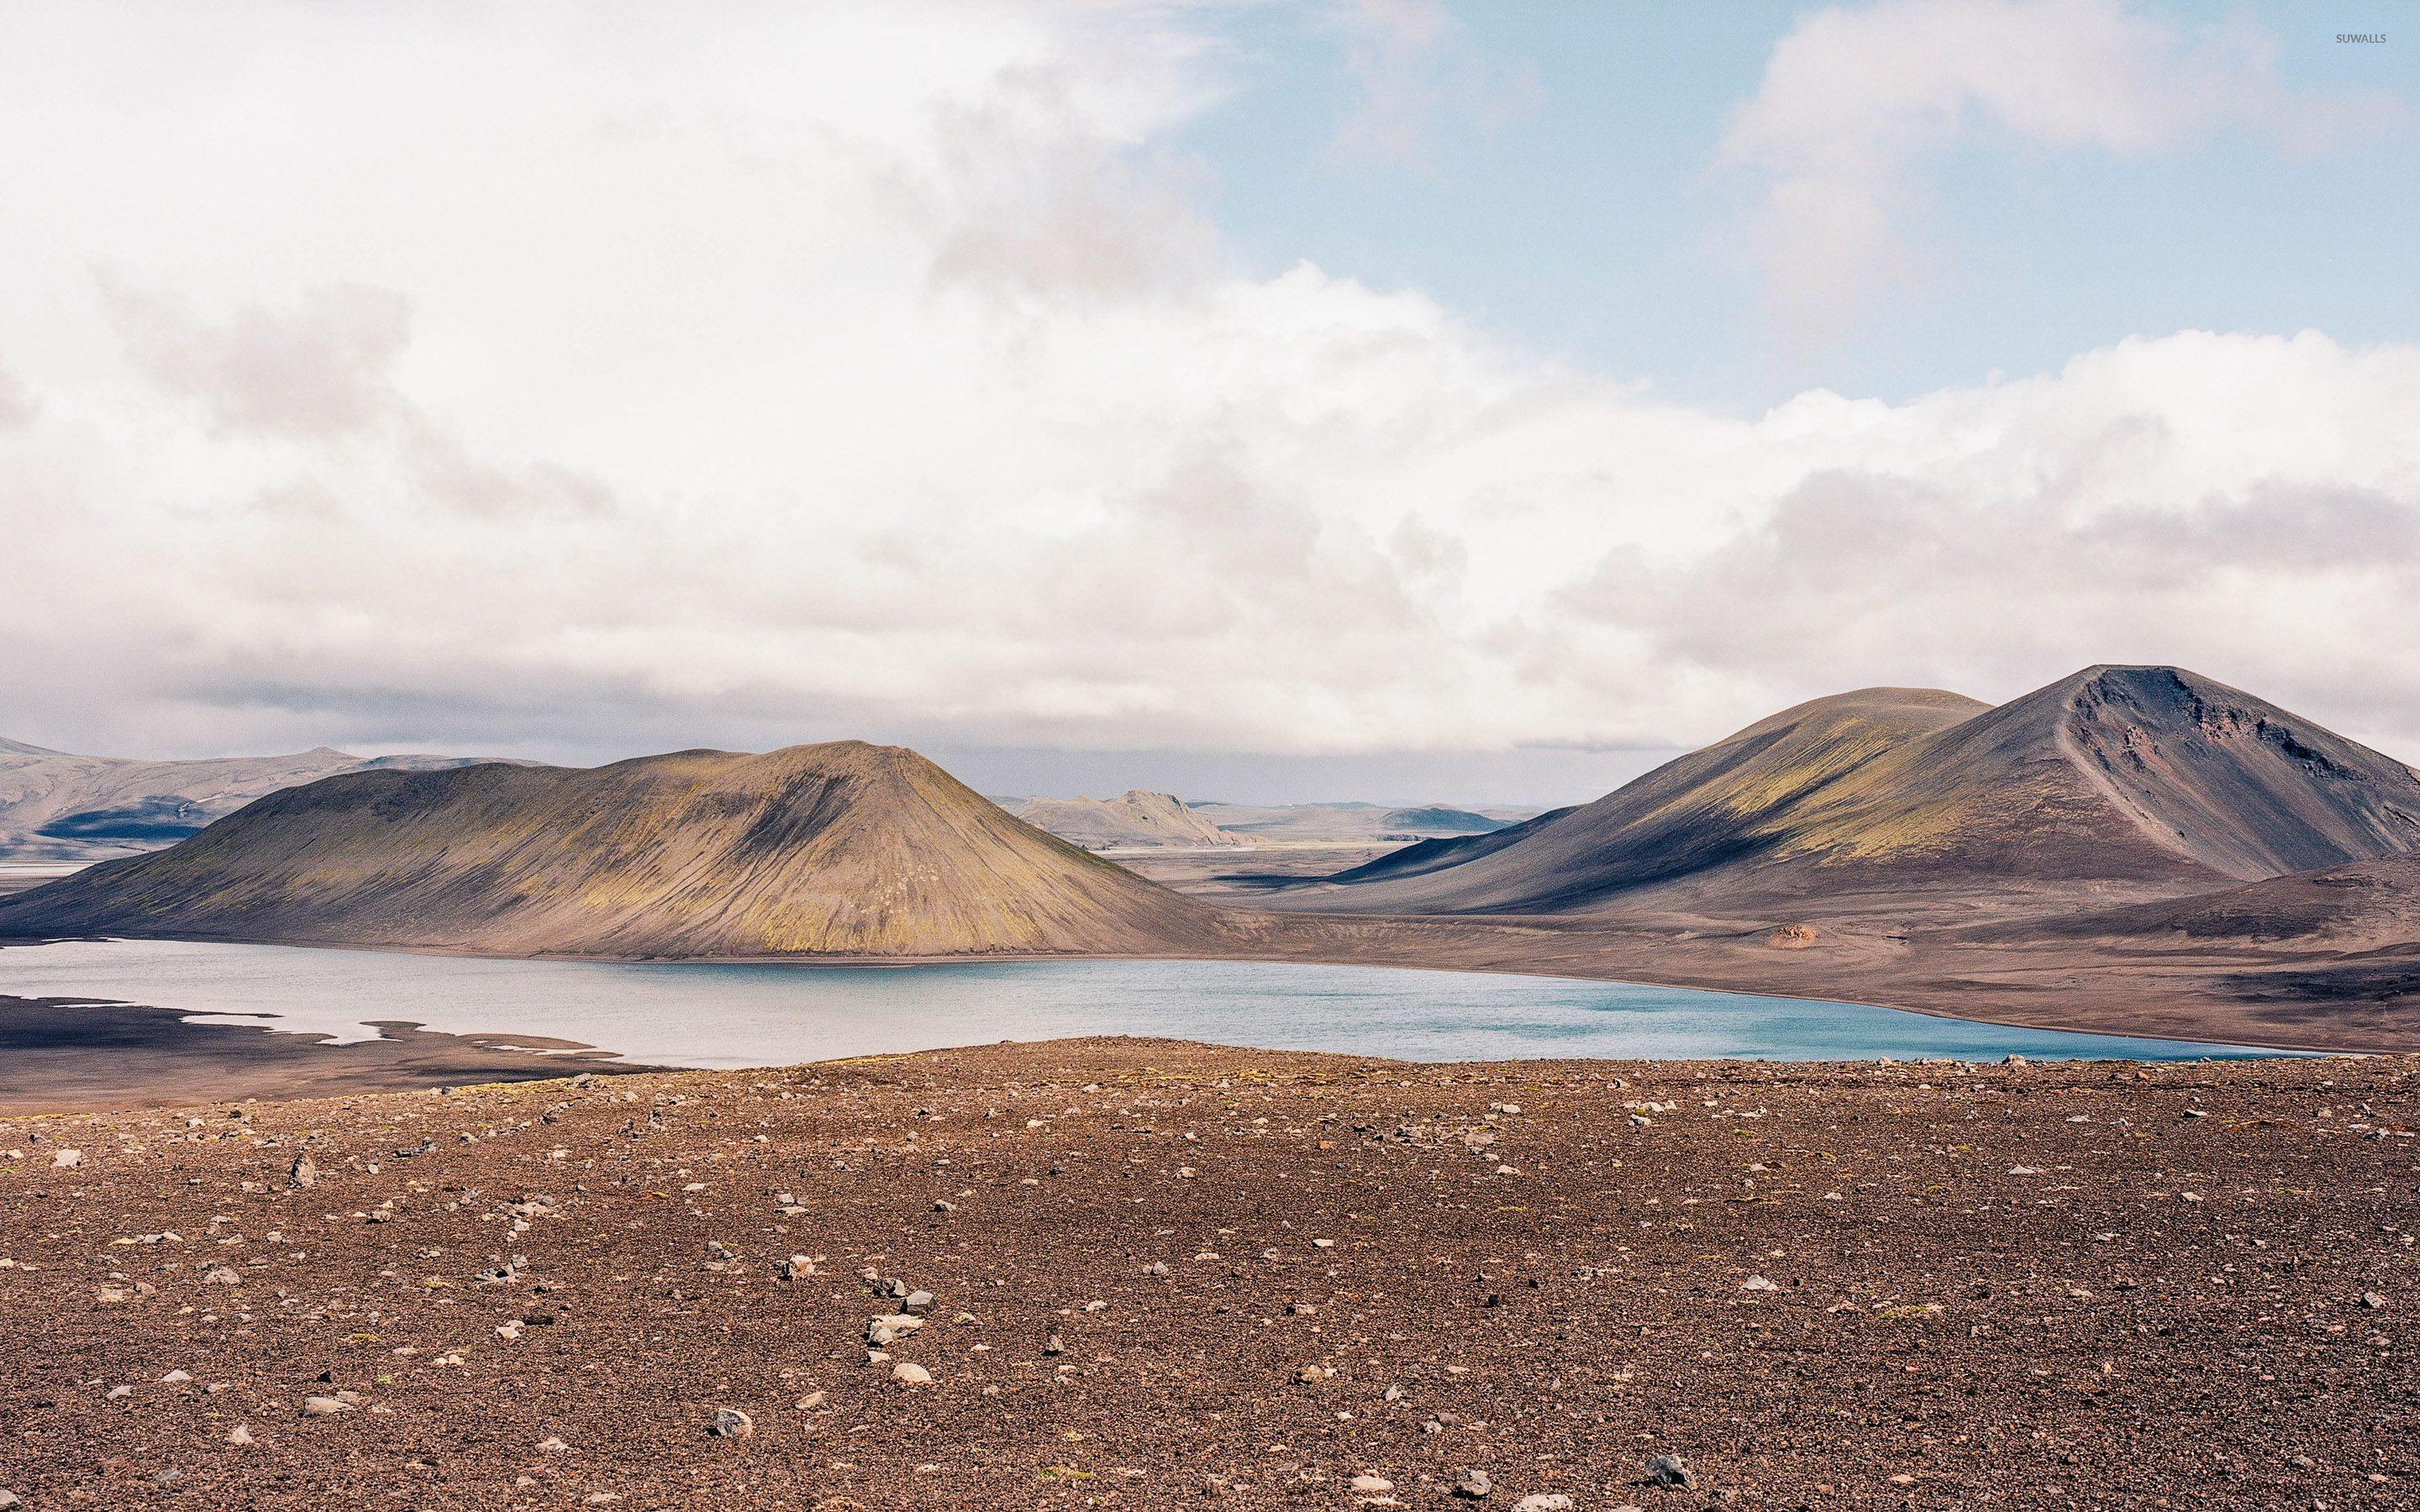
<point x="57" y="807"/>
<point x="1133" y="818"/>
<point x="844" y="848"/>
<point x="2143" y="779"/>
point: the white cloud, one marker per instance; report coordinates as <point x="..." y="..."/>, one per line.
<point x="572" y="386"/>
<point x="1855" y="101"/>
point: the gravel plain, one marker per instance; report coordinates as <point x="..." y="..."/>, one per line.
<point x="1139" y="1274"/>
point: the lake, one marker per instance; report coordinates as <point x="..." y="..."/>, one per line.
<point x="772" y="1013"/>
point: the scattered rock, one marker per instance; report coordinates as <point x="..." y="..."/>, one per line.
<point x="238" y="1434"/>
<point x="2372" y="1299"/>
<point x="909" y="1373"/>
<point x="1545" y="1501"/>
<point x="1667" y="1470"/>
<point x="891" y="1328"/>
<point x="302" y="1172"/>
<point x="917" y="1303"/>
<point x="1473" y="1485"/>
<point x="1372" y="1484"/>
<point x="1758" y="1283"/>
<point x="731" y="1423"/>
<point x="324" y="1406"/>
<point x="66" y="1158"/>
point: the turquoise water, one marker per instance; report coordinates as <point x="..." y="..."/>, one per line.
<point x="772" y="1013"/>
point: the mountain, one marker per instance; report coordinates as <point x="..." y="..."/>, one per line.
<point x="2143" y="778"/>
<point x="1133" y="818"/>
<point x="55" y="807"/>
<point x="844" y="848"/>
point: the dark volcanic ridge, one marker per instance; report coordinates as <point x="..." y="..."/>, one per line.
<point x="2143" y="778"/>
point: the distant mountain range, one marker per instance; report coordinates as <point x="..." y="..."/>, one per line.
<point x="1156" y="819"/>
<point x="57" y="807"/>
<point x="1352" y="824"/>
<point x="835" y="849"/>
<point x="1133" y="818"/>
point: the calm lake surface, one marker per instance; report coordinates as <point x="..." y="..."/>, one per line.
<point x="771" y="1015"/>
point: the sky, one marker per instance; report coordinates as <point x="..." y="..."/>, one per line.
<point x="1383" y="399"/>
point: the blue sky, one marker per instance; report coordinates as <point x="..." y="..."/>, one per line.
<point x="1590" y="217"/>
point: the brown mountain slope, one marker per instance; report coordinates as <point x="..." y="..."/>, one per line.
<point x="844" y="848"/>
<point x="2146" y="779"/>
<point x="1133" y="818"/>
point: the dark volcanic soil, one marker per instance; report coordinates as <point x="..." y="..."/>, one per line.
<point x="58" y="1055"/>
<point x="1264" y="1275"/>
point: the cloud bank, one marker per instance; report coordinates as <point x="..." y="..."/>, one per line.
<point x="556" y="385"/>
<point x="1857" y="102"/>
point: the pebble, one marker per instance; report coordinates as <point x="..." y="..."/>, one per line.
<point x="1372" y="1484"/>
<point x="324" y="1406"/>
<point x="302" y="1172"/>
<point x="918" y="1303"/>
<point x="2372" y="1299"/>
<point x="1758" y="1283"/>
<point x="238" y="1434"/>
<point x="909" y="1373"/>
<point x="890" y="1328"/>
<point x="66" y="1158"/>
<point x="1667" y="1470"/>
<point x="1545" y="1501"/>
<point x="731" y="1423"/>
<point x="1474" y="1484"/>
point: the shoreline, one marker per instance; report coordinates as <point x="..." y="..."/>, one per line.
<point x="1547" y="971"/>
<point x="92" y="1060"/>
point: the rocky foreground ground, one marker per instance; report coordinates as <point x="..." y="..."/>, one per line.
<point x="1142" y="1273"/>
